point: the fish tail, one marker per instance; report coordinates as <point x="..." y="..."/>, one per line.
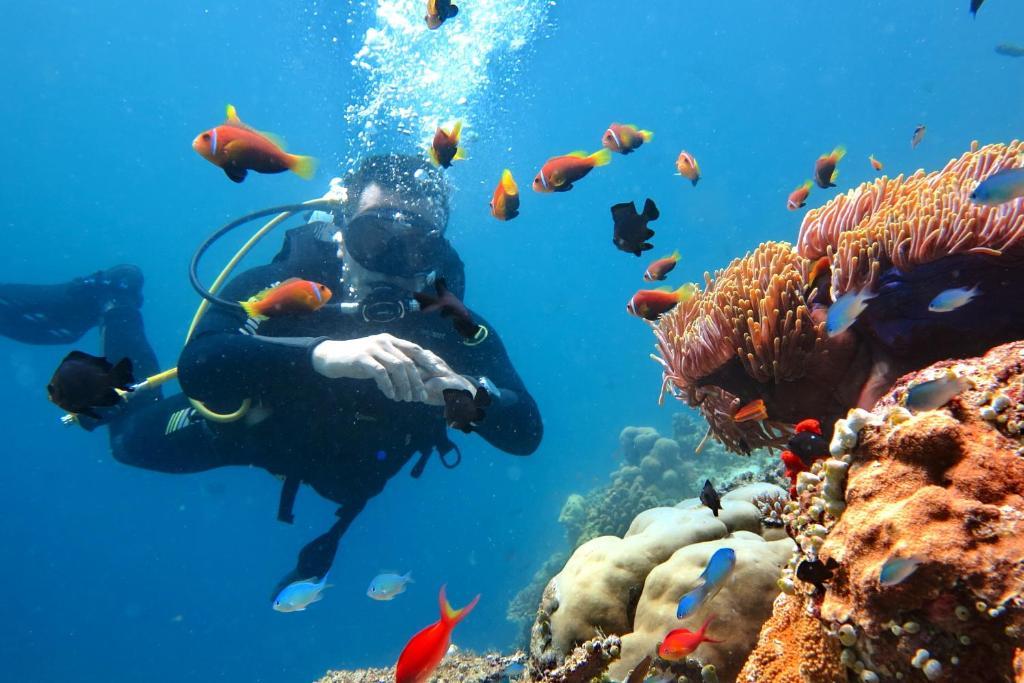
<point x="432" y="153"/>
<point x="704" y="626"/>
<point x="508" y="182"/>
<point x="460" y="153"/>
<point x="835" y="176"/>
<point x="675" y="255"/>
<point x="839" y="152"/>
<point x="647" y="135"/>
<point x="304" y="167"/>
<point x="451" y="616"/>
<point x="252" y="309"/>
<point x="686" y="292"/>
<point x="456" y="131"/>
<point x="807" y="185"/>
<point x="601" y="157"/>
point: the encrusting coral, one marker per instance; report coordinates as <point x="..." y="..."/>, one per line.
<point x="459" y="666"/>
<point x="756" y="330"/>
<point x="630" y="586"/>
<point x="939" y="494"/>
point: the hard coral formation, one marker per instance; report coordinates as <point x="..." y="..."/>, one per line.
<point x="793" y="648"/>
<point x="629" y="586"/>
<point x="944" y="488"/>
<point x="458" y="667"/>
<point x="756" y="330"/>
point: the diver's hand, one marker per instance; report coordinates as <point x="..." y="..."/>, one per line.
<point x="399" y="367"/>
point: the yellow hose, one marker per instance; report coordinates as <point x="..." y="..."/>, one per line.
<point x="167" y="375"/>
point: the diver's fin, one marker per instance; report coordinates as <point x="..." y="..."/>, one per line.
<point x="236" y="174"/>
<point x="453" y="11"/>
<point x="121" y="374"/>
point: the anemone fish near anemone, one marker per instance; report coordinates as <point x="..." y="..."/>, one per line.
<point x="559" y="173"/>
<point x="505" y="201"/>
<point x="624" y="138"/>
<point x="651" y="303"/>
<point x="238" y="149"/>
<point x="825" y="171"/>
<point x="798" y="198"/>
<point x="660" y="268"/>
<point x="444" y="149"/>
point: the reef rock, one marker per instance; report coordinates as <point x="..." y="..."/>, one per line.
<point x="944" y="488"/>
<point x="630" y="586"/>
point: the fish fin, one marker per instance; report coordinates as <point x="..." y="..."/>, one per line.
<point x="427" y="302"/>
<point x="304" y="167"/>
<point x="578" y="154"/>
<point x="601" y="157"/>
<point x="89" y="412"/>
<point x="432" y="153"/>
<point x="451" y="616"/>
<point x="647" y="135"/>
<point x="675" y="256"/>
<point x="686" y="292"/>
<point x="839" y="152"/>
<point x="121" y="373"/>
<point x="694" y="181"/>
<point x="251" y="310"/>
<point x="235" y="174"/>
<point x="408" y="577"/>
<point x="453" y="11"/>
<point x="276" y="139"/>
<point x="232" y="117"/>
<point x="456" y="131"/>
<point x="107" y="399"/>
<point x="508" y="182"/>
<point x="651" y="212"/>
<point x="460" y="154"/>
<point x="835" y="176"/>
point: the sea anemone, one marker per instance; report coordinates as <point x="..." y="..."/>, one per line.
<point x="756" y="330"/>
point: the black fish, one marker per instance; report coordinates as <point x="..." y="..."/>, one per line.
<point x="709" y="496"/>
<point x="631" y="231"/>
<point x="809" y="446"/>
<point x="83" y="382"/>
<point x="1010" y="50"/>
<point x="450" y="307"/>
<point x="439" y="11"/>
<point x="639" y="672"/>
<point x="816" y="572"/>
<point x="463" y="410"/>
<point x="975" y="6"/>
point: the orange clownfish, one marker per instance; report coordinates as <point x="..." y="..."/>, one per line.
<point x="238" y="149"/>
<point x="445" y="147"/>
<point x="624" y="138"/>
<point x="875" y="163"/>
<point x="798" y="197"/>
<point x="825" y="171"/>
<point x="650" y="303"/>
<point x="659" y="269"/>
<point x="680" y="643"/>
<point x="819" y="268"/>
<point x="288" y="298"/>
<point x="505" y="202"/>
<point x="559" y="173"/>
<point x="439" y="11"/>
<point x="688" y="167"/>
<point x="426" y="649"/>
<point x="755" y="410"/>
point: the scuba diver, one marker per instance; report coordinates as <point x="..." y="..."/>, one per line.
<point x="340" y="399"/>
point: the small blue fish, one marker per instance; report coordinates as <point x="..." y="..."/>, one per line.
<point x="845" y="311"/>
<point x="898" y="569"/>
<point x="297" y="596"/>
<point x="1000" y="187"/>
<point x="387" y="586"/>
<point x="952" y="299"/>
<point x="934" y="394"/>
<point x="513" y="671"/>
<point x="719" y="568"/>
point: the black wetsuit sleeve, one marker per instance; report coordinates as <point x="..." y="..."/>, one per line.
<point x="223" y="363"/>
<point x="512" y="422"/>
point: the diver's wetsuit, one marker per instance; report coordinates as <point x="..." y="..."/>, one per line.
<point x="340" y="436"/>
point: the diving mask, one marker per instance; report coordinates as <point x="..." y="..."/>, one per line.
<point x="394" y="242"/>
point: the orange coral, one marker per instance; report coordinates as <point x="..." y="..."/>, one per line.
<point x="908" y="221"/>
<point x="793" y="648"/>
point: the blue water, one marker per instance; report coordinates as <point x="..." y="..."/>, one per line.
<point x="111" y="573"/>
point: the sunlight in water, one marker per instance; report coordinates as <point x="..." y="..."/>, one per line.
<point x="417" y="79"/>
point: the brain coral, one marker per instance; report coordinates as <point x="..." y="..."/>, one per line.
<point x="756" y="330"/>
<point x="629" y="586"/>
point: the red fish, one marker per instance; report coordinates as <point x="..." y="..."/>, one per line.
<point x="819" y="268"/>
<point x="659" y="269"/>
<point x="238" y="149"/>
<point x="680" y="643"/>
<point x="505" y="202"/>
<point x="806" y="446"/>
<point x="798" y="197"/>
<point x="288" y="298"/>
<point x="445" y="147"/>
<point x="426" y="649"/>
<point x="624" y="138"/>
<point x="875" y="163"/>
<point x="755" y="410"/>
<point x="651" y="303"/>
<point x="439" y="11"/>
<point x="559" y="173"/>
<point x="688" y="167"/>
<point x="825" y="171"/>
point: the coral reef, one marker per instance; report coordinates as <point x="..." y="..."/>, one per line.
<point x="943" y="488"/>
<point x="460" y="666"/>
<point x="756" y="330"/>
<point x="793" y="648"/>
<point x="630" y="586"/>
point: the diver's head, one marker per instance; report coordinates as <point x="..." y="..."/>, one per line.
<point x="396" y="214"/>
